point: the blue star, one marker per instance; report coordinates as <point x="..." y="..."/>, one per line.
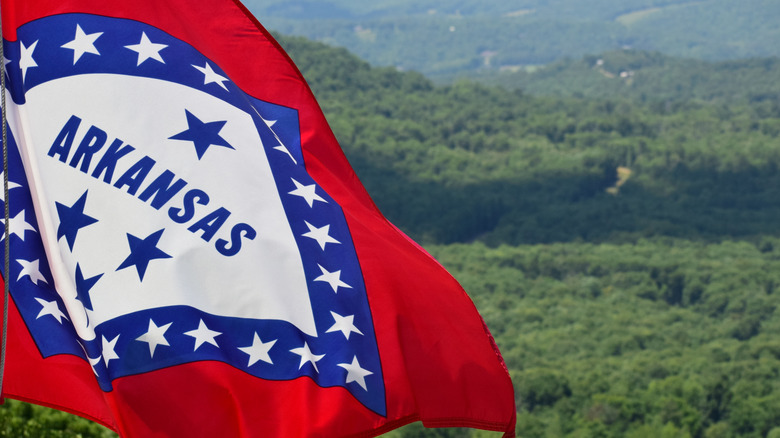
<point x="72" y="219"/>
<point x="83" y="285"/>
<point x="142" y="251"/>
<point x="202" y="134"/>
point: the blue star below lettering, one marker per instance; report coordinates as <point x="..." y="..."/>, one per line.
<point x="142" y="251"/>
<point x="202" y="134"/>
<point x="83" y="285"/>
<point x="72" y="219"/>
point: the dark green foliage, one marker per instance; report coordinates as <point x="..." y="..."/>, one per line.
<point x="596" y="348"/>
<point x="19" y="419"/>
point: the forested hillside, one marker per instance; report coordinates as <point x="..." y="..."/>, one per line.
<point x="504" y="167"/>
<point x="625" y="254"/>
<point x="444" y="37"/>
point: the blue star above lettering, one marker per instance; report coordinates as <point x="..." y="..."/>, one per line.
<point x="202" y="134"/>
<point x="83" y="285"/>
<point x="142" y="251"/>
<point x="82" y="43"/>
<point x="72" y="219"/>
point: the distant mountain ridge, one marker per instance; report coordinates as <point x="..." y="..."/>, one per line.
<point x="646" y="77"/>
<point x="447" y="37"/>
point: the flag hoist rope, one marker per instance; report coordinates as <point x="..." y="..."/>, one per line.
<point x="7" y="223"/>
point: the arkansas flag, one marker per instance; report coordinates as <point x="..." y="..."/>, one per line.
<point x="191" y="253"/>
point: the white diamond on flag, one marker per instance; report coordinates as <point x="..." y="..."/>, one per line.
<point x="159" y="221"/>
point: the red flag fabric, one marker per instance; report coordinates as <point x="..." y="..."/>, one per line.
<point x="191" y="253"/>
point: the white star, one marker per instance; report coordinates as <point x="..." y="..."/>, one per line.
<point x="283" y="148"/>
<point x="108" y="349"/>
<point x="355" y="373"/>
<point x="203" y="334"/>
<point x="320" y="235"/>
<point x="30" y="269"/>
<point x="258" y="350"/>
<point x="154" y="336"/>
<point x="307" y="356"/>
<point x="306" y="192"/>
<point x="82" y="44"/>
<point x="6" y="61"/>
<point x="50" y="308"/>
<point x="18" y="225"/>
<point x="26" y="61"/>
<point x="93" y="362"/>
<point x="147" y="49"/>
<point x="11" y="185"/>
<point x="344" y="324"/>
<point x="210" y="76"/>
<point x="332" y="278"/>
